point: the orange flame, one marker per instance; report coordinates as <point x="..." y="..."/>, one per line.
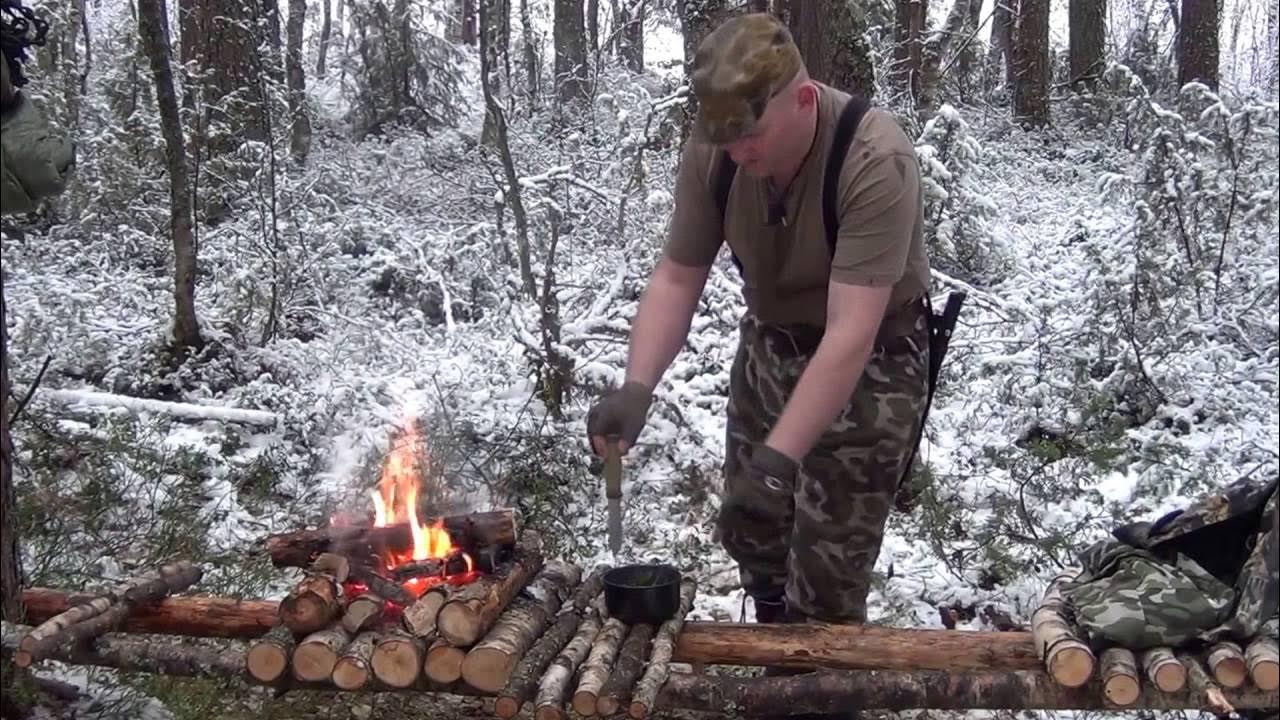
<point x="396" y="501"/>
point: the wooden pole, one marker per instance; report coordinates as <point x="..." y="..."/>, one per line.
<point x="813" y="692"/>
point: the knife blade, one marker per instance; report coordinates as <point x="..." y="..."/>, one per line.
<point x="613" y="492"/>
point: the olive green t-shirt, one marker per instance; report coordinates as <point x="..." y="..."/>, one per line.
<point x="787" y="265"/>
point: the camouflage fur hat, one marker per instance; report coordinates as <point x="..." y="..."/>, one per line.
<point x="739" y="67"/>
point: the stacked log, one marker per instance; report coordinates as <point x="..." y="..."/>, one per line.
<point x="656" y="673"/>
<point x="97" y="615"/>
<point x="473" y="610"/>
<point x="1264" y="662"/>
<point x="1065" y="656"/>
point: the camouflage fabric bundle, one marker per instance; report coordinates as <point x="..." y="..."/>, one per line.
<point x="1204" y="573"/>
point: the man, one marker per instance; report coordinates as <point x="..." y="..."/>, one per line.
<point x="36" y="159"/>
<point x="830" y="378"/>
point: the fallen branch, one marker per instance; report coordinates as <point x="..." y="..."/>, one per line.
<point x="175" y="409"/>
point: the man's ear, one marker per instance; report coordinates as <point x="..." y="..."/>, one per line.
<point x="808" y="96"/>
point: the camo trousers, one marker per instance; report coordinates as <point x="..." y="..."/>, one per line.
<point x="821" y="552"/>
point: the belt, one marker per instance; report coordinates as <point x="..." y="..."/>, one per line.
<point x="802" y="339"/>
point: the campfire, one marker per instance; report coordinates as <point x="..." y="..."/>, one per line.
<point x="396" y="590"/>
<point x="431" y="557"/>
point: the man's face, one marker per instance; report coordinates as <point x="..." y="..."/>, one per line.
<point x="760" y="151"/>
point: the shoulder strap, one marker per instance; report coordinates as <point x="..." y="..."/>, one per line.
<point x="846" y="127"/>
<point x="722" y="184"/>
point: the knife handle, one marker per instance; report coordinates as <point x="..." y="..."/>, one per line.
<point x="612" y="470"/>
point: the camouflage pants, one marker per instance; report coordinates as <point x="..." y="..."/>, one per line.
<point x="821" y="552"/>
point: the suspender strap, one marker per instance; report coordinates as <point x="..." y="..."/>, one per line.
<point x="846" y="127"/>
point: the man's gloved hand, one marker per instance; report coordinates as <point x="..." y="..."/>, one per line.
<point x="621" y="414"/>
<point x="764" y="493"/>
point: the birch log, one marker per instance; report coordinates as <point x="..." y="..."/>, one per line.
<point x="363" y="612"/>
<point x="1164" y="670"/>
<point x="472" y="611"/>
<point x="522" y="685"/>
<point x="553" y="689"/>
<point x="444" y="661"/>
<point x="114" y="605"/>
<point x="317" y="654"/>
<point x="488" y="665"/>
<point x="596" y="669"/>
<point x="1226" y="660"/>
<point x="655" y="675"/>
<point x="420" y="617"/>
<point x="268" y="657"/>
<point x="626" y="670"/>
<point x="398" y="658"/>
<point x="1067" y="659"/>
<point x="1119" y="671"/>
<point x="1264" y="662"/>
<point x="353" y="668"/>
<point x="311" y="605"/>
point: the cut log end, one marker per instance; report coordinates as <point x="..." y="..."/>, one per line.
<point x="1230" y="672"/>
<point x="1122" y="690"/>
<point x="1264" y="663"/>
<point x="506" y="708"/>
<point x="548" y="712"/>
<point x="1266" y="675"/>
<point x="397" y="660"/>
<point x="1071" y="665"/>
<point x="313" y="663"/>
<point x="267" y="662"/>
<point x="1171" y="678"/>
<point x="349" y="674"/>
<point x="444" y="662"/>
<point x="1120" y="676"/>
<point x="459" y="624"/>
<point x="487" y="669"/>
<point x="584" y="703"/>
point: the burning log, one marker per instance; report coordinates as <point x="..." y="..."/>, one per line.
<point x="105" y="612"/>
<point x="1202" y="687"/>
<point x="268" y="657"/>
<point x="420" y="617"/>
<point x="655" y="675"/>
<point x="1226" y="660"/>
<point x="1119" y="671"/>
<point x="379" y="585"/>
<point x="352" y="669"/>
<point x="311" y="605"/>
<point x="627" y="669"/>
<point x="488" y="665"/>
<point x="473" y="533"/>
<point x="524" y="678"/>
<point x="554" y="686"/>
<point x="444" y="662"/>
<point x="398" y="658"/>
<point x="1067" y="659"/>
<point x="1164" y="670"/>
<point x="1264" y="662"/>
<point x="473" y="609"/>
<point x="363" y="612"/>
<point x="596" y="670"/>
<point x="317" y="654"/>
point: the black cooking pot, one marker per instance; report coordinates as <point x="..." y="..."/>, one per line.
<point x="638" y="594"/>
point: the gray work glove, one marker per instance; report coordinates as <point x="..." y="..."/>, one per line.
<point x="620" y="415"/>
<point x="764" y="494"/>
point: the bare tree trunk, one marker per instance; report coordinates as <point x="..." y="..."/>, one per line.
<point x="300" y="130"/>
<point x="1087" y="36"/>
<point x="939" y="46"/>
<point x="11" y="580"/>
<point x="1273" y="44"/>
<point x="469" y="22"/>
<point x="325" y="30"/>
<point x="1000" y="57"/>
<point x="571" y="53"/>
<point x="1198" y="43"/>
<point x="697" y="19"/>
<point x="908" y="50"/>
<point x="829" y="34"/>
<point x="498" y="122"/>
<point x="1031" y="62"/>
<point x="533" y="80"/>
<point x="632" y="35"/>
<point x="593" y="25"/>
<point x="151" y="31"/>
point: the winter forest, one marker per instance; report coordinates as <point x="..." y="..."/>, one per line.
<point x="299" y="233"/>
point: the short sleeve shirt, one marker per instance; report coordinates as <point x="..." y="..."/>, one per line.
<point x="787" y="265"/>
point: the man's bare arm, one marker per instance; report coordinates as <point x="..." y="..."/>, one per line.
<point x="662" y="321"/>
<point x="854" y="314"/>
